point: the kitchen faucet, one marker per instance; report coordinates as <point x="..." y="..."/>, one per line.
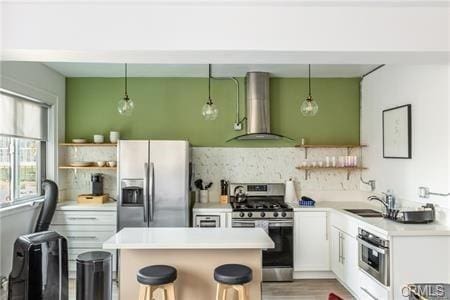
<point x="388" y="201"/>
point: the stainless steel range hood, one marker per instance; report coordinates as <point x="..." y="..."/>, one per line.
<point x="258" y="108"/>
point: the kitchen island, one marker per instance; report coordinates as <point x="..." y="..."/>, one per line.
<point x="194" y="252"/>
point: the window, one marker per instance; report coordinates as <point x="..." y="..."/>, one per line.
<point x="20" y="169"/>
<point x="23" y="134"/>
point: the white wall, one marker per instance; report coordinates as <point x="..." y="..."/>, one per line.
<point x="214" y="31"/>
<point x="37" y="81"/>
<point x="426" y="88"/>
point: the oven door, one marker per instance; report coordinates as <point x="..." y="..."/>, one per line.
<point x="277" y="262"/>
<point x="374" y="260"/>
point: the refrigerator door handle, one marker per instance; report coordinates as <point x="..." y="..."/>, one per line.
<point x="152" y="190"/>
<point x="146" y="200"/>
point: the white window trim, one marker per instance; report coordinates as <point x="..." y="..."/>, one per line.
<point x="52" y="139"/>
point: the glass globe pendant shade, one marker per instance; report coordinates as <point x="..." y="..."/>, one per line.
<point x="210" y="111"/>
<point x="309" y="107"/>
<point x="125" y="106"/>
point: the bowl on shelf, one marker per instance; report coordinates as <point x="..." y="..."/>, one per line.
<point x="101" y="163"/>
<point x="79" y="141"/>
<point x="111" y="163"/>
<point x="81" y="164"/>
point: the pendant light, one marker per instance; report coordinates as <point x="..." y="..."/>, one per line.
<point x="309" y="107"/>
<point x="125" y="105"/>
<point x="209" y="110"/>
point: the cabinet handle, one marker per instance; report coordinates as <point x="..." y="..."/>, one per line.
<point x="82" y="218"/>
<point x="340" y="253"/>
<point x="342" y="245"/>
<point x="326" y="227"/>
<point x="368" y="293"/>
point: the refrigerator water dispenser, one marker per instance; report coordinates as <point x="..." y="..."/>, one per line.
<point x="132" y="192"/>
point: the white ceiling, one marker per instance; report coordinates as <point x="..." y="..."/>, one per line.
<point x="69" y="69"/>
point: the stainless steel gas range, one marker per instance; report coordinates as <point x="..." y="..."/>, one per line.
<point x="262" y="205"/>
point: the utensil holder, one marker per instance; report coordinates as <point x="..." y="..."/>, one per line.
<point x="204" y="196"/>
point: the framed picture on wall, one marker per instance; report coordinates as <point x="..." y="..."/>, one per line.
<point x="397" y="132"/>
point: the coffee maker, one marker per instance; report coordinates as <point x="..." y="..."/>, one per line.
<point x="97" y="184"/>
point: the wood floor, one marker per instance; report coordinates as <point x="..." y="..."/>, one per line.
<point x="305" y="289"/>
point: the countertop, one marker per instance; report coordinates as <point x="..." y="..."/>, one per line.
<point x="212" y="207"/>
<point x="74" y="205"/>
<point x="189" y="238"/>
<point x="385" y="226"/>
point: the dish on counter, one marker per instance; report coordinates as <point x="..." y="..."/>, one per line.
<point x="81" y="164"/>
<point x="79" y="141"/>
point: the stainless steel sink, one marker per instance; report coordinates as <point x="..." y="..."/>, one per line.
<point x="365" y="212"/>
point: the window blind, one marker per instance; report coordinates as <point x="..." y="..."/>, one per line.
<point x="22" y="117"/>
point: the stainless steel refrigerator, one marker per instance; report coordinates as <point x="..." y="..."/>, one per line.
<point x="153" y="183"/>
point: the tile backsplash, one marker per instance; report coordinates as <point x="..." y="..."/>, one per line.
<point x="216" y="163"/>
<point x="270" y="165"/>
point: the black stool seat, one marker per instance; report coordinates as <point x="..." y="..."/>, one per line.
<point x="157" y="275"/>
<point x="233" y="274"/>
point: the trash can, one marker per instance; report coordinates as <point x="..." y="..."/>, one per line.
<point x="94" y="276"/>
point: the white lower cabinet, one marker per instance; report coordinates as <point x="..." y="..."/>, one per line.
<point x="344" y="259"/>
<point x="370" y="288"/>
<point x="337" y="265"/>
<point x="85" y="230"/>
<point x="311" y="241"/>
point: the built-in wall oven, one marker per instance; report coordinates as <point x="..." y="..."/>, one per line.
<point x="373" y="252"/>
<point x="277" y="262"/>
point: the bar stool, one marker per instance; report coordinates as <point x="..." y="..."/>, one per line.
<point x="156" y="277"/>
<point x="232" y="276"/>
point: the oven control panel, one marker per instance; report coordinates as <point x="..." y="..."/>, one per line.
<point x="263" y="215"/>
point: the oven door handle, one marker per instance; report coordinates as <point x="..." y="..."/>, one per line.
<point x="249" y="224"/>
<point x="372" y="247"/>
<point x="281" y="224"/>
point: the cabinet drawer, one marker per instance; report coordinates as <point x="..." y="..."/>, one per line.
<point x="84" y="218"/>
<point x="370" y="289"/>
<point x="70" y="228"/>
<point x="86" y="239"/>
<point x="73" y="254"/>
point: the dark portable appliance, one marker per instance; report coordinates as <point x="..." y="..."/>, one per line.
<point x="97" y="184"/>
<point x="39" y="267"/>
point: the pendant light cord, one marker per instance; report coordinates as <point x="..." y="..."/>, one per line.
<point x="126" y="80"/>
<point x="309" y="80"/>
<point x="209" y="84"/>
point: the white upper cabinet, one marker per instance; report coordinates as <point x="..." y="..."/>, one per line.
<point x="311" y="241"/>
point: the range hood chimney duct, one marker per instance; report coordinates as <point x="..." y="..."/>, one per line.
<point x="258" y="108"/>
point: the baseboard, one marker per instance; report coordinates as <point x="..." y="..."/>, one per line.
<point x="314" y="275"/>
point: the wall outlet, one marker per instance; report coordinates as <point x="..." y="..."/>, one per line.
<point x="237" y="126"/>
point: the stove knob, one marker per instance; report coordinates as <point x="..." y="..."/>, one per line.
<point x="283" y="214"/>
<point x="241" y="214"/>
<point x="249" y="214"/>
<point x="263" y="215"/>
<point x="275" y="214"/>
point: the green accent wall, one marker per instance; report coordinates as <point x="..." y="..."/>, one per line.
<point x="170" y="108"/>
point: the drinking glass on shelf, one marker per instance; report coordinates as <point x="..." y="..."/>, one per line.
<point x="333" y="161"/>
<point x="327" y="161"/>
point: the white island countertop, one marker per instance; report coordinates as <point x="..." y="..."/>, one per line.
<point x="189" y="238"/>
